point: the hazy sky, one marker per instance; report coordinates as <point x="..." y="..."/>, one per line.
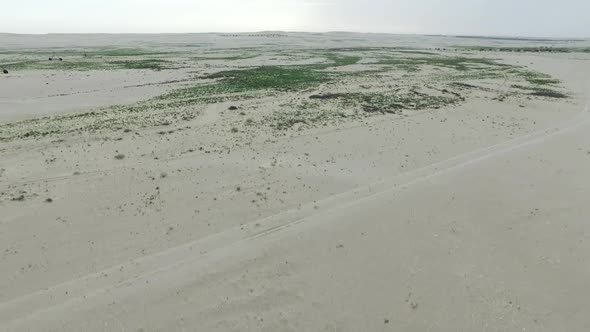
<point x="550" y="18"/>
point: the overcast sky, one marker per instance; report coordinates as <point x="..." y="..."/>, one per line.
<point x="546" y="18"/>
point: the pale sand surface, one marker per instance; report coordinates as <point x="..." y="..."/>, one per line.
<point x="467" y="217"/>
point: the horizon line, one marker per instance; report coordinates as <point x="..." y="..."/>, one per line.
<point x="538" y="37"/>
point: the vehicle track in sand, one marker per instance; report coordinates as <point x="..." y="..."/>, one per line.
<point x="129" y="278"/>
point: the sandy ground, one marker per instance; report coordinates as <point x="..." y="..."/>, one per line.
<point x="37" y="94"/>
<point x="469" y="217"/>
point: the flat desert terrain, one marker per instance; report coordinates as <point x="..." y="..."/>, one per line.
<point x="294" y="182"/>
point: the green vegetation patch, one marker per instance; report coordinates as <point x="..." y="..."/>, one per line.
<point x="336" y="107"/>
<point x="549" y="93"/>
<point x="417" y="52"/>
<point x="456" y="63"/>
<point x="122" y="52"/>
<point x="77" y="65"/>
<point x="536" y="78"/>
<point x="254" y="82"/>
<point x="132" y="116"/>
<point x="544" y="81"/>
<point x="541" y="49"/>
<point x="225" y="58"/>
<point x="261" y="79"/>
<point x="83" y="64"/>
<point x="275" y="78"/>
<point x="383" y="49"/>
<point x="393" y="102"/>
<point x="271" y="78"/>
<point x="341" y="60"/>
<point x="541" y="91"/>
<point x="153" y="64"/>
<point x="93" y="51"/>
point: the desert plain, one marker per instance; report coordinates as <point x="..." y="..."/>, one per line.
<point x="280" y="181"/>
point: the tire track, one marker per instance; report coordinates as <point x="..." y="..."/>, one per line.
<point x="126" y="279"/>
